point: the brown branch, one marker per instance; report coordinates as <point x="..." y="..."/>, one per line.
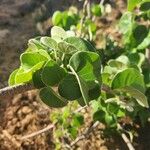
<point x="13" y="90"/>
<point x="38" y="132"/>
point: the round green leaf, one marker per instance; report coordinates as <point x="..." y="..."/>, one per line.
<point x="30" y="59"/>
<point x="99" y="116"/>
<point x="69" y="88"/>
<point x="57" y="18"/>
<point x="94" y="90"/>
<point x="49" y="42"/>
<point x="96" y="10"/>
<point x="137" y="58"/>
<point x="87" y="65"/>
<point x="80" y="44"/>
<point x="139" y="96"/>
<point x="12" y="76"/>
<point x="35" y="45"/>
<point x="145" y="43"/>
<point x="52" y="74"/>
<point x="132" y="4"/>
<point x="50" y="98"/>
<point x="58" y="34"/>
<point x="140" y="33"/>
<point x="37" y="79"/>
<point x="129" y="77"/>
<point x="23" y="76"/>
<point x="145" y="6"/>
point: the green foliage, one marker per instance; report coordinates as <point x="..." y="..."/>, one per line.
<point x="132" y="4"/>
<point x="69" y="69"/>
<point x="65" y="19"/>
<point x="63" y="61"/>
<point x="67" y="122"/>
<point x="97" y="9"/>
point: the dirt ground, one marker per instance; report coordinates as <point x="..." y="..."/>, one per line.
<point x="24" y="113"/>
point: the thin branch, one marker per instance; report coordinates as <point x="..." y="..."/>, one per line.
<point x="80" y="109"/>
<point x="127" y="141"/>
<point x="85" y="134"/>
<point x="84" y="16"/>
<point x="38" y="132"/>
<point x="125" y="138"/>
<point x="101" y="2"/>
<point x="13" y="90"/>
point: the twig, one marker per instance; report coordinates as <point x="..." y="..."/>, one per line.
<point x="89" y="9"/>
<point x="84" y="16"/>
<point x="80" y="109"/>
<point x="101" y="2"/>
<point x="127" y="141"/>
<point x="38" y="132"/>
<point x="85" y="134"/>
<point x="125" y="138"/>
<point x="12" y="90"/>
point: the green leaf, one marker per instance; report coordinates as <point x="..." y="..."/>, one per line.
<point x="35" y="45"/>
<point x="109" y="120"/>
<point x="99" y="116"/>
<point x="146" y="72"/>
<point x="128" y="77"/>
<point x="140" y="33"/>
<point x="106" y="78"/>
<point x="96" y="10"/>
<point x="126" y="22"/>
<point x="86" y="67"/>
<point x="52" y="74"/>
<point x="49" y="42"/>
<point x="94" y="90"/>
<point x="139" y="96"/>
<point x="69" y="88"/>
<point x="57" y="18"/>
<point x="24" y="76"/>
<point x="137" y="58"/>
<point x="132" y="4"/>
<point x="113" y="108"/>
<point x="77" y="120"/>
<point x="58" y="34"/>
<point x="145" y="6"/>
<point x="81" y="101"/>
<point x="30" y="59"/>
<point x="83" y="88"/>
<point x="50" y="98"/>
<point x="123" y="59"/>
<point x="37" y="79"/>
<point x="80" y="44"/>
<point x="116" y="64"/>
<point x="66" y="48"/>
<point x="145" y="43"/>
<point x="12" y="76"/>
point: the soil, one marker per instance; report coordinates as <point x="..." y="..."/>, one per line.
<point x="24" y="113"/>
